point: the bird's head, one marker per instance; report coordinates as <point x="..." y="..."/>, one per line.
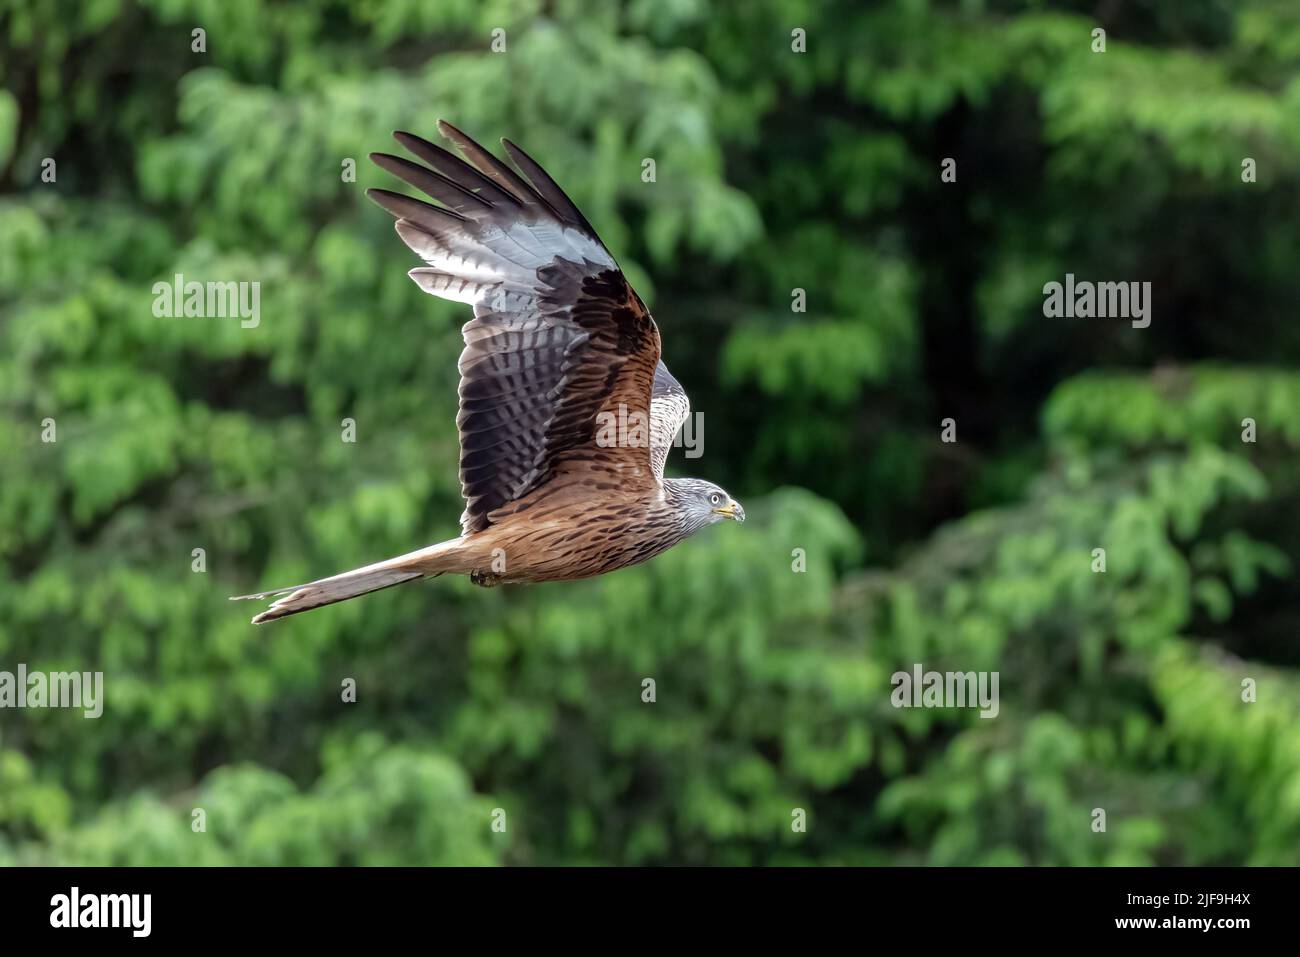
<point x="705" y="502"/>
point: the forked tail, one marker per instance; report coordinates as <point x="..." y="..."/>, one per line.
<point x="425" y="563"/>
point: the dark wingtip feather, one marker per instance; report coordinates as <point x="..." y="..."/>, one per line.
<point x="407" y="207"/>
<point x="451" y="194"/>
<point x="547" y="187"/>
<point x="414" y="143"/>
<point x="456" y="170"/>
<point x="494" y="169"/>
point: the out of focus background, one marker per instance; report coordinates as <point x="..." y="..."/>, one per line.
<point x="791" y="168"/>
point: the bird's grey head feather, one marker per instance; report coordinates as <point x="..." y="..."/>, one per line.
<point x="701" y="503"/>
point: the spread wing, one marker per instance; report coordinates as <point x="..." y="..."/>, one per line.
<point x="669" y="407"/>
<point x="558" y="335"/>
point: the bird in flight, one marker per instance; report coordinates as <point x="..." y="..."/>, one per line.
<point x="567" y="412"/>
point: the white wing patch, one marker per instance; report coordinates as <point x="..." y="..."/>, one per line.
<point x="669" y="408"/>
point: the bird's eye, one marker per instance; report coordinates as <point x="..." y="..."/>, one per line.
<point x="713" y="499"/>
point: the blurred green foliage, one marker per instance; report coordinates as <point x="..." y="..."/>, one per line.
<point x="776" y="171"/>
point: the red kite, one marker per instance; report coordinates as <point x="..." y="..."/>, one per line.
<point x="567" y="412"/>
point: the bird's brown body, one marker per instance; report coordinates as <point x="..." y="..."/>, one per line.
<point x="567" y="411"/>
<point x="569" y="536"/>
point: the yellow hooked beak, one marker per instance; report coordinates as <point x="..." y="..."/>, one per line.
<point x="732" y="510"/>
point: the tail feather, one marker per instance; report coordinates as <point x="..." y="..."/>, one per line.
<point x="425" y="563"/>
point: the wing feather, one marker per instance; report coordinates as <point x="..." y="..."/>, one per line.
<point x="543" y="183"/>
<point x="559" y="338"/>
<point x="669" y="408"/>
